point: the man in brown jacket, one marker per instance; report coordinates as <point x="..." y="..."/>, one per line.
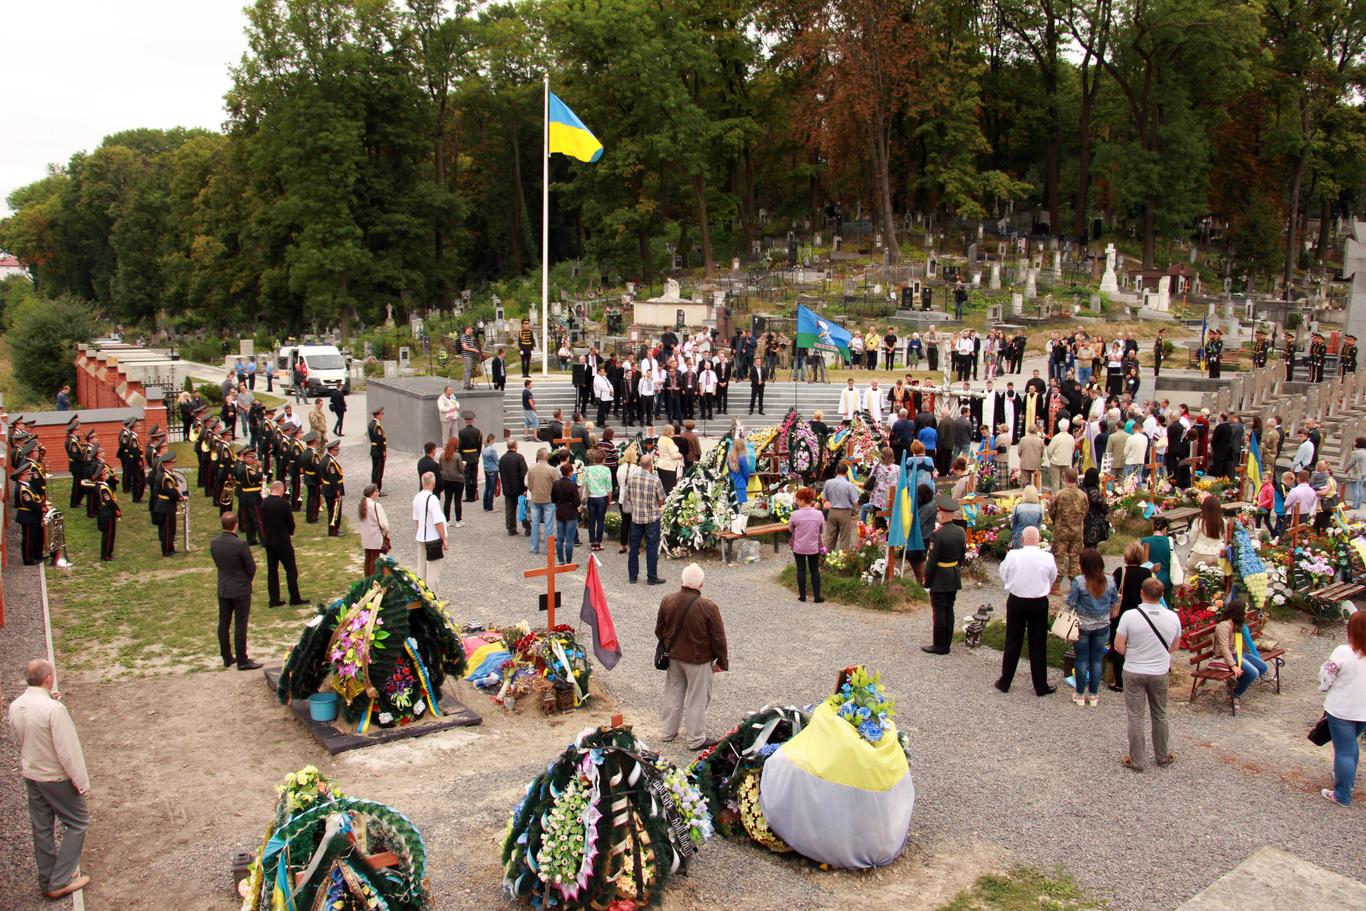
<point x="1031" y="458"/>
<point x="691" y="629"/>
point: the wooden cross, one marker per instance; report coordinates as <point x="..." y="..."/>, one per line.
<point x="550" y="571"/>
<point x="1152" y="468"/>
<point x="567" y="441"/>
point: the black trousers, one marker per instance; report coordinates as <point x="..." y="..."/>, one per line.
<point x="1026" y="617"/>
<point x="942" y="603"/>
<point x="334" y="507"/>
<point x="510" y="513"/>
<point x="756" y="393"/>
<point x="249" y="515"/>
<point x="138" y="480"/>
<point x="233" y="612"/>
<point x="77" y="491"/>
<point x="450" y="493"/>
<point x="722" y="397"/>
<point x="708" y="400"/>
<point x="932" y="356"/>
<point x="808" y="563"/>
<point x="166" y="533"/>
<point x="604" y="407"/>
<point x="32" y="543"/>
<point x="377" y="469"/>
<point x="278" y="555"/>
<point x="313" y="502"/>
<point x="108" y="527"/>
<point x="472" y="479"/>
<point x="526" y="362"/>
<point x="1214" y="370"/>
<point x="296" y="493"/>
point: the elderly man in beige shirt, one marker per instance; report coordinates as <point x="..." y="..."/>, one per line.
<point x="53" y="767"/>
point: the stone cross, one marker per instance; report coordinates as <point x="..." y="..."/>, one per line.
<point x="1109" y="284"/>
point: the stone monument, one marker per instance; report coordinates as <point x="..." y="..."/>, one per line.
<point x="663" y="310"/>
<point x="1109" y="283"/>
<point x="1163" y="304"/>
<point x="1354" y="269"/>
<point x="1031" y="290"/>
<point x="995" y="283"/>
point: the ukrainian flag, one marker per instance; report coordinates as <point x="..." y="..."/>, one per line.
<point x="1254" y="464"/>
<point x="568" y="135"/>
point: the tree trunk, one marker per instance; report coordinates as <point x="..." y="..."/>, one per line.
<point x="439" y="240"/>
<point x="883" y="185"/>
<point x="1325" y="213"/>
<point x="520" y="207"/>
<point x="1051" y="155"/>
<point x="1079" y="225"/>
<point x="699" y="185"/>
<point x="1149" y="235"/>
<point x="1293" y="227"/>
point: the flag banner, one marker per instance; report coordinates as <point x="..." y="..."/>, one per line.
<point x="569" y="136"/>
<point x="598" y="616"/>
<point x="820" y="334"/>
<point x="1254" y="464"/>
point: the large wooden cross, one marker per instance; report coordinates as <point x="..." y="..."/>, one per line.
<point x="567" y="441"/>
<point x="550" y="571"/>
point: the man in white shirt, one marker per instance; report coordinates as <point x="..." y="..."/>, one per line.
<point x="603" y="392"/>
<point x="1146" y="637"/>
<point x="448" y="406"/>
<point x="1028" y="574"/>
<point x="849" y="401"/>
<point x="1304" y="456"/>
<point x="429" y="521"/>
<point x="963" y="349"/>
<point x="706" y="387"/>
<point x="292" y="418"/>
<point x="53" y="769"/>
<point x="872" y="402"/>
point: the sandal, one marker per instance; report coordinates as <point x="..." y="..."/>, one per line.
<point x="1129" y="764"/>
<point x="1171" y="757"/>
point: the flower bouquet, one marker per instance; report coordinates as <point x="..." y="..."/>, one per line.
<point x="701" y="505"/>
<point x="861" y="702"/>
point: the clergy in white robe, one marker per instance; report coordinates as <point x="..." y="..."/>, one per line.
<point x="849" y="401"/>
<point x="872" y="402"/>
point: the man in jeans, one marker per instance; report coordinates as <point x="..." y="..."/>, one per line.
<point x="1146" y="637"/>
<point x="643" y="498"/>
<point x="429" y="521"/>
<point x="539" y="480"/>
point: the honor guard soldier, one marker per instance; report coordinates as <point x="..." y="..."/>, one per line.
<point x="297" y="453"/>
<point x="157" y="447"/>
<point x="312" y="468"/>
<point x="135" y="466"/>
<point x="379" y="448"/>
<point x="121" y="453"/>
<point x="166" y="502"/>
<point x="471" y="442"/>
<point x="94" y="469"/>
<point x="1288" y="355"/>
<point x="204" y="451"/>
<point x="1347" y="360"/>
<point x="333" y="487"/>
<point x="29" y="515"/>
<point x="250" y="479"/>
<point x="1318" y="356"/>
<point x="75" y="459"/>
<point x="225" y="477"/>
<point x="1214" y="354"/>
<point x="108" y="512"/>
<point x="1260" y="348"/>
<point x="280" y="448"/>
<point x="30" y="456"/>
<point x="265" y="437"/>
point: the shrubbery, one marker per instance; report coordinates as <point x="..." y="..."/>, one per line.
<point x="43" y="334"/>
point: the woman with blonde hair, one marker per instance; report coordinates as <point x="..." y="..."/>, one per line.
<point x="1028" y="513"/>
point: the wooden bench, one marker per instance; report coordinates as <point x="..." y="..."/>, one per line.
<point x="1274" y="656"/>
<point x="754" y="531"/>
<point x="1325" y="603"/>
<point x="1179" y="519"/>
<point x="1201" y="645"/>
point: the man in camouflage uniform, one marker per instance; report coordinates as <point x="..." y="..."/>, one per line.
<point x="1066" y="514"/>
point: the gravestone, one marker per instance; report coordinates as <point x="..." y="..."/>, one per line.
<point x="1016" y="303"/>
<point x="404" y="358"/>
<point x="1109" y="283"/>
<point x="1164" y="299"/>
<point x="1031" y="290"/>
<point x="995" y="283"/>
<point x="1057" y="265"/>
<point x="972" y="257"/>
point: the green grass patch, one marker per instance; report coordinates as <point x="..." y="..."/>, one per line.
<point x="144" y="614"/>
<point x="1024" y="889"/>
<point x="994" y="636"/>
<point x="897" y="594"/>
<point x="1114" y="545"/>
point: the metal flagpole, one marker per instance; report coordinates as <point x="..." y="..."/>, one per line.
<point x="545" y="230"/>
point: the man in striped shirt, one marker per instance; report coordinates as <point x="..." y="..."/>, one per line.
<point x="643" y="498"/>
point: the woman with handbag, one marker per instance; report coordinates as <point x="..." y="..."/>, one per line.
<point x="564" y="495"/>
<point x="1343" y="678"/>
<point x="374" y="527"/>
<point x="1158" y="553"/>
<point x="1093" y="596"/>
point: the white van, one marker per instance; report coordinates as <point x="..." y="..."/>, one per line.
<point x="326" y="368"/>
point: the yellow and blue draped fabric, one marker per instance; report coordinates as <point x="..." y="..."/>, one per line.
<point x="569" y="136"/>
<point x="1254" y="463"/>
<point x="903" y="529"/>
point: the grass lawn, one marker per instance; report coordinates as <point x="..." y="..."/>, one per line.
<point x="1023" y="889"/>
<point x="994" y="636"/>
<point x="897" y="594"/>
<point x="144" y="614"/>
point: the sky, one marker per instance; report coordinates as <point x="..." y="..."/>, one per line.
<point x="75" y="71"/>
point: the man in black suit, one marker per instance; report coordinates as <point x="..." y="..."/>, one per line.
<point x="499" y="370"/>
<point x="338" y="406"/>
<point x="756" y="388"/>
<point x="236" y="569"/>
<point x="428" y="463"/>
<point x="512" y="474"/>
<point x="277" y="534"/>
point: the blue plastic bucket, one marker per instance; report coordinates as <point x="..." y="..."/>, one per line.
<point x="323" y="706"/>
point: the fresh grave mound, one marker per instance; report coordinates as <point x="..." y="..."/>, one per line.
<point x="832" y="784"/>
<point x="604" y="827"/>
<point x="386" y="649"/>
<point x="517" y="663"/>
<point x="324" y="851"/>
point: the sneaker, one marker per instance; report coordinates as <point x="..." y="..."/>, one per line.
<point x="1328" y="795"/>
<point x="459" y="524"/>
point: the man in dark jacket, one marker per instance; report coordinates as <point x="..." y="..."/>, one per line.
<point x="277" y="534"/>
<point x="691" y="629"/>
<point x="943" y="576"/>
<point x="338" y="406"/>
<point x="236" y="569"/>
<point x="512" y="475"/>
<point x="471" y="442"/>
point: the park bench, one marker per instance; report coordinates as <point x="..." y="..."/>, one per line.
<point x="1273" y="655"/>
<point x="1325" y="603"/>
<point x="1181" y="518"/>
<point x="1209" y="668"/>
<point x="1232" y="359"/>
<point x="753" y="532"/>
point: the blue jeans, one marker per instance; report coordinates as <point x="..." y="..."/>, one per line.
<point x="1131" y="470"/>
<point x="1090" y="649"/>
<point x="542" y="515"/>
<point x="650" y="534"/>
<point x="1357" y="487"/>
<point x="1083" y="375"/>
<point x="1253" y="667"/>
<point x="597" y="511"/>
<point x="490" y="482"/>
<point x="1346" y="752"/>
<point x="565" y="532"/>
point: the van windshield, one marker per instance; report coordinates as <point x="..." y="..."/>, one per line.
<point x="324" y="362"/>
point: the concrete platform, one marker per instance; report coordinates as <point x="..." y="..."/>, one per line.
<point x="1271" y="872"/>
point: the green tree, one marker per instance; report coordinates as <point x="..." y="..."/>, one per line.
<point x="43" y="334"/>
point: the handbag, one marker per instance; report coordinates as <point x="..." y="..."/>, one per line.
<point x="435" y="549"/>
<point x="1066" y="625"/>
<point x="1319" y="734"/>
<point x="386" y="545"/>
<point x="662" y="648"/>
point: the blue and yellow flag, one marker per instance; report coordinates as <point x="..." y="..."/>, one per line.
<point x="569" y="136"/>
<point x="1254" y="464"/>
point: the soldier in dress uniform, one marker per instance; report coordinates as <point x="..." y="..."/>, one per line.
<point x="134" y="465"/>
<point x="279" y="448"/>
<point x="225" y="468"/>
<point x="250" y="479"/>
<point x="109" y="512"/>
<point x="75" y="458"/>
<point x="121" y="453"/>
<point x="944" y="555"/>
<point x="265" y="438"/>
<point x="312" y="472"/>
<point x="157" y="447"/>
<point x="471" y="442"/>
<point x="1347" y="360"/>
<point x="204" y="449"/>
<point x="297" y="452"/>
<point x="379" y="448"/>
<point x="333" y="487"/>
<point x="1288" y="355"/>
<point x="94" y="469"/>
<point x="166" y="501"/>
<point x="1318" y="356"/>
<point x="29" y="515"/>
<point x="1214" y="354"/>
<point x="1260" y="348"/>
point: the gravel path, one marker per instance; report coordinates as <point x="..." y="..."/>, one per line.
<point x="1001" y="779"/>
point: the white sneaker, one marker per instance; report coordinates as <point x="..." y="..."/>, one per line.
<point x="459" y="524"/>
